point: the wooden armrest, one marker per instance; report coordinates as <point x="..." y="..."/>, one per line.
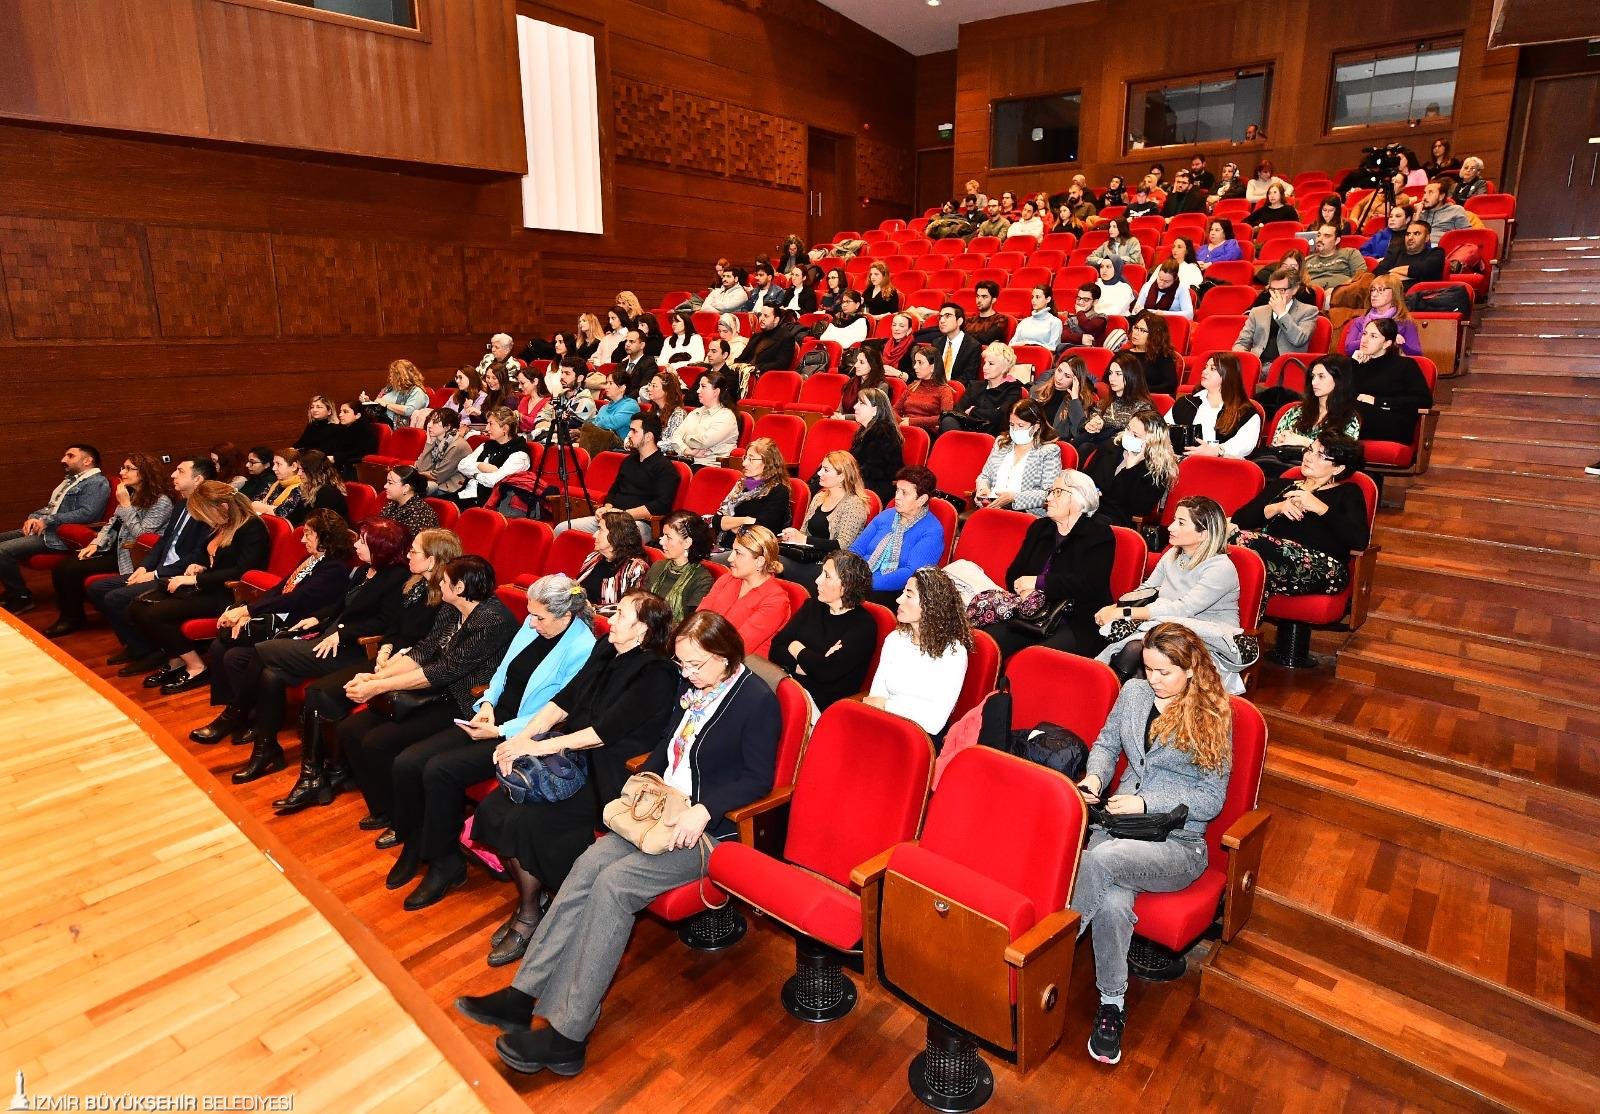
<point x="1245" y="842"/>
<point x="762" y="823"/>
<point x="138" y="551"/>
<point x="1247" y="829"/>
<point x="871" y="870"/>
<point x="636" y="763"/>
<point x="245" y="592"/>
<point x="479" y="690"/>
<point x="1033" y="943"/>
<point x="775" y="799"/>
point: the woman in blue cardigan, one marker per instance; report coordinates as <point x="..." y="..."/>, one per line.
<point x="903" y="538"/>
<point x="432" y="777"/>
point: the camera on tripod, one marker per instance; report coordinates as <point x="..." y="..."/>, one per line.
<point x="1379" y="165"/>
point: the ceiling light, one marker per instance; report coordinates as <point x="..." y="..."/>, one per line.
<point x="933" y="3"/>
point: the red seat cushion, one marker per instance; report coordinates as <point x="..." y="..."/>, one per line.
<point x="789" y="894"/>
<point x="1389" y="454"/>
<point x="1316" y="610"/>
<point x="685" y="901"/>
<point x="1176" y="920"/>
<point x="199" y="630"/>
<point x="44" y="562"/>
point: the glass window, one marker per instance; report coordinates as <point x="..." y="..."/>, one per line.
<point x="400" y="13"/>
<point x="1206" y="108"/>
<point x="1394" y="86"/>
<point x="1035" y="131"/>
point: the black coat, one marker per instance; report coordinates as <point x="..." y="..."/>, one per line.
<point x="990" y="406"/>
<point x="324" y="584"/>
<point x="1397" y="383"/>
<point x="192" y="535"/>
<point x="1080" y="570"/>
<point x="250" y="549"/>
<point x="1124" y="495"/>
<point x="880" y="453"/>
<point x="1342" y="529"/>
<point x="369" y="606"/>
<point x="628" y="700"/>
<point x="968" y="363"/>
<point x="458" y="656"/>
<point x="317" y="435"/>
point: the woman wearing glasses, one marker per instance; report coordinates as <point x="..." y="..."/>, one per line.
<point x="720" y="751"/>
<point x="617" y="707"/>
<point x="1305" y="529"/>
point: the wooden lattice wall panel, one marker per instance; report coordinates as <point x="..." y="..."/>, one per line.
<point x="75" y="279"/>
<point x="213" y="283"/>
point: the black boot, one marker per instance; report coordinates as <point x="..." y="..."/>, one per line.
<point x="313" y="787"/>
<point x="266" y="757"/>
<point x="228" y="723"/>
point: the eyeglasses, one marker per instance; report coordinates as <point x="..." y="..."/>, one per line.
<point x="690" y="668"/>
<point x="1314" y="453"/>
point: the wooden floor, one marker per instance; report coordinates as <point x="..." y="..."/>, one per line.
<point x="150" y="948"/>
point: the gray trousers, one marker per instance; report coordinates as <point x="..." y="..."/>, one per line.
<point x="1111" y="874"/>
<point x="578" y="946"/>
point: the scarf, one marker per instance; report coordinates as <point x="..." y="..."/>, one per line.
<point x="301" y="573"/>
<point x="697" y="705"/>
<point x="1161" y="299"/>
<point x="671" y="583"/>
<point x="895" y="351"/>
<point x="743" y="491"/>
<point x="887" y="556"/>
<point x="280" y="491"/>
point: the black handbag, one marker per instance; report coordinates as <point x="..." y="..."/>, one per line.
<point x="397" y="706"/>
<point x="1147" y="827"/>
<point x="994" y="729"/>
<point x="1052" y="746"/>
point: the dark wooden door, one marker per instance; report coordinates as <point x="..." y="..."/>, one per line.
<point x="1558" y="188"/>
<point x="824" y="188"/>
<point x="936" y="172"/>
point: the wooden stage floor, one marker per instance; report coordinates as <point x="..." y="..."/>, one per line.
<point x="149" y="945"/>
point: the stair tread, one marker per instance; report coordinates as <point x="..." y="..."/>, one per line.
<point x="1523" y="537"/>
<point x="1456" y="641"/>
<point x="1576" y="694"/>
<point x="1484" y="1062"/>
<point x="1529" y="578"/>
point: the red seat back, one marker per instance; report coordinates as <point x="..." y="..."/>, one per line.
<point x="1236" y="272"/>
<point x="787" y="431"/>
<point x="1127" y="564"/>
<point x="799" y="498"/>
<point x="991" y="539"/>
<point x="363" y="501"/>
<point x="946" y="514"/>
<point x="795" y="708"/>
<point x="287" y="551"/>
<point x="523" y="547"/>
<point x="1216" y="333"/>
<point x="1232" y="300"/>
<point x="446" y="510"/>
<point x="774" y="388"/>
<point x="601" y="473"/>
<point x="1492" y="206"/>
<point x="479" y="529"/>
<point x="567" y="551"/>
<point x="886" y="622"/>
<point x="1232" y="483"/>
<point x="823" y="438"/>
<point x="957" y="458"/>
<point x="860" y="789"/>
<point x="406" y="443"/>
<point x="708" y="488"/>
<point x="823" y="390"/>
<point x="915" y="444"/>
<point x="1039" y="675"/>
<point x="1244" y="778"/>
<point x="1252" y="585"/>
<point x="983" y="672"/>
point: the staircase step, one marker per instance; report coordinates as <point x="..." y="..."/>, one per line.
<point x="1535" y="482"/>
<point x="1498" y="324"/>
<point x="1423" y="1054"/>
<point x="1462" y="417"/>
<point x="1489" y="377"/>
<point x="1532" y="852"/>
<point x="1549" y="280"/>
<point x="1488" y="343"/>
<point x="1469" y="449"/>
<point x="1495" y="616"/>
<point x="1509" y="401"/>
<point x="1490" y="552"/>
<point x="1446" y="500"/>
<point x="1533" y="306"/>
<point x="1451" y="579"/>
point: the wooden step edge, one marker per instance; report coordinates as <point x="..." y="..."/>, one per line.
<point x="1398" y="526"/>
<point x="1429" y="767"/>
<point x="1396" y="966"/>
<point x="1399" y="559"/>
<point x="1581" y="423"/>
<point x="1465" y="386"/>
<point x="1482" y="495"/>
<point x="1517" y="469"/>
<point x="1520" y="442"/>
<point x="1321" y="1035"/>
<point x="1408" y="620"/>
<point x="1487" y="852"/>
<point x="1470" y="672"/>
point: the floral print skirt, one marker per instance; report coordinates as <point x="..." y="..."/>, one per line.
<point x="1294" y="569"/>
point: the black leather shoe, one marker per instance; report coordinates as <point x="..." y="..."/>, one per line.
<point x="62" y="627"/>
<point x="531" y="1050"/>
<point x="435" y="885"/>
<point x="388" y="839"/>
<point x="121" y="657"/>
<point x="186" y="681"/>
<point x="510" y="947"/>
<point x="19" y="605"/>
<point x="405" y="867"/>
<point x="165" y="676"/>
<point x="228" y="723"/>
<point x="373" y="823"/>
<point x="266" y="758"/>
<point x="245" y="738"/>
<point x="132" y="667"/>
<point x="508" y="1010"/>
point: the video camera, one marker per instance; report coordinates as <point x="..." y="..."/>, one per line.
<point x="1380" y="164"/>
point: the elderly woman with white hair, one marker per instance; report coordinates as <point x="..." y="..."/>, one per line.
<point x="1059" y="579"/>
<point x="500" y="359"/>
<point x="1472" y="182"/>
<point x="431" y="777"/>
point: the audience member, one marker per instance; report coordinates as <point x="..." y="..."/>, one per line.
<point x="636" y="366"/>
<point x="320" y="489"/>
<point x="682" y="577"/>
<point x="353" y="438"/>
<point x="79" y="498"/>
<point x="1440" y="211"/>
<point x="881" y="297"/>
<point x="1385" y="299"/>
<point x="665" y="393"/>
<point x="1164" y="292"/>
<point x="988" y="324"/>
<point x="405" y="493"/>
<point x="929" y="394"/>
<point x="985" y="405"/>
<point x="878" y="446"/>
<point x="1257" y="189"/>
<point x="848" y="327"/>
<point x="710" y="432"/>
<point x="1028" y="224"/>
<point x="896" y="354"/>
<point x="403" y="395"/>
<point x="772" y="345"/>
<point x="499" y="359"/>
<point x="440" y="460"/>
<point x="1473" y="183"/>
<point x="827" y="645"/>
<point x="1023" y="464"/>
<point x="1150" y="342"/>
<point x="1441" y="163"/>
<point x="1064" y="394"/>
<point x="863" y="370"/>
<point x="1283" y="325"/>
<point x="320" y="432"/>
<point x="903" y="537"/>
<point x="1276" y="207"/>
<point x="1390" y="388"/>
<point x="1377" y="245"/>
<point x="503" y="454"/>
<point x="257" y="473"/>
<point x="1218" y="419"/>
<point x="957" y="353"/>
<point x="759" y="498"/>
<point x="1116" y="296"/>
<point x="1084" y="326"/>
<point x="923" y="663"/>
<point x="1305" y="528"/>
<point x="1128" y="393"/>
<point x="1120" y="244"/>
<point x="617" y="563"/>
<point x="1329" y="265"/>
<point x="1134" y="481"/>
<point x="1220" y="245"/>
<point x="834" y="518"/>
<point x="995" y="222"/>
<point x="1043" y="325"/>
<point x="750" y="596"/>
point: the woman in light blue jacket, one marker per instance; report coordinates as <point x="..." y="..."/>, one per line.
<point x="1175" y="727"/>
<point x="431" y="777"/>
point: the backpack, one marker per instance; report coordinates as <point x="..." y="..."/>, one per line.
<point x="813" y="362"/>
<point x="1464" y="259"/>
<point x="1052" y="746"/>
<point x="1452" y="299"/>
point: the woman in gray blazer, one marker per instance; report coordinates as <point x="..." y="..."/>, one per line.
<point x="1023" y="464"/>
<point x="1175" y="727"/>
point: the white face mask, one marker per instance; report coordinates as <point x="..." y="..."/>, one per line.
<point x="1131" y="443"/>
<point x="1023" y="436"/>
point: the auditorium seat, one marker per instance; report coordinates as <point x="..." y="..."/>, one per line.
<point x="1230" y="300"/>
<point x="1296" y="615"/>
<point x="479" y="529"/>
<point x="821" y="439"/>
<point x="991" y="538"/>
<point x="1216" y="333"/>
<point x="957" y="458"/>
<point x="282" y="559"/>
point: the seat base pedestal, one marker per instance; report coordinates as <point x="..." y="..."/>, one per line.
<point x="949" y="1075"/>
<point x="1154" y="963"/>
<point x="1292" y="648"/>
<point x="819" y="990"/>
<point x="713" y="930"/>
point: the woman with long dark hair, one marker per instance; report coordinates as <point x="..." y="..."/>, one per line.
<point x="1218" y="419"/>
<point x="878" y="447"/>
<point x="1150" y="340"/>
<point x="684" y="346"/>
<point x="924" y="660"/>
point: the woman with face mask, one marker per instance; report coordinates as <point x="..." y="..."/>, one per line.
<point x="1133" y="481"/>
<point x="1023" y="464"/>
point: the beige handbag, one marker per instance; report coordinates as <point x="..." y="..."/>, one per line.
<point x="639" y="815"/>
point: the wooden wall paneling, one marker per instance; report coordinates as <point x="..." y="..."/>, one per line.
<point x="935" y="102"/>
<point x="704" y="121"/>
<point x="502" y="289"/>
<point x="67" y="279"/>
<point x="421" y="287"/>
<point x="884" y="172"/>
<point x="213" y="283"/>
<point x="643" y="122"/>
<point x="327" y="286"/>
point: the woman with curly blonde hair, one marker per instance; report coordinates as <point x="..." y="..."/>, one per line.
<point x="924" y="659"/>
<point x="1175" y="727"/>
<point x="629" y="303"/>
<point x="403" y="395"/>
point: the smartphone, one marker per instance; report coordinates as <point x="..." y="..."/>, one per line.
<point x="462" y="722"/>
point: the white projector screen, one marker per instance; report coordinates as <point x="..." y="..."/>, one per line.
<point x="561" y="122"/>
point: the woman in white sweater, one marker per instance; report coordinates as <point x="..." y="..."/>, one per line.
<point x="711" y="431"/>
<point x="924" y="660"/>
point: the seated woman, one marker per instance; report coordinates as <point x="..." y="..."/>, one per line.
<point x="1023" y="464"/>
<point x="461" y="652"/>
<point x="1217" y="420"/>
<point x="1175" y="728"/>
<point x="904" y="537"/>
<point x="587" y="337"/>
<point x="1150" y="339"/>
<point x="611" y="341"/>
<point x="924" y="660"/>
<point x="143" y="506"/>
<point x="1065" y="558"/>
<point x="878" y="447"/>
<point x="257" y="473"/>
<point x="402" y="396"/>
<point x="865" y="371"/>
<point x="881" y="296"/>
<point x="1390" y="388"/>
<point x="849" y="326"/>
<point x="1134" y="480"/>
<point x="1120" y="244"/>
<point x="321" y="489"/>
<point x="503" y="454"/>
<point x="432" y="777"/>
<point x="464" y="398"/>
<point x="320" y="431"/>
<point x="834" y="518"/>
<point x="1220" y="245"/>
<point x="711" y="431"/>
<point x="1125" y="382"/>
<point x="1061" y="395"/>
<point x="399" y="624"/>
<point x="1183" y="253"/>
<point x="352" y="438"/>
<point x="680" y="577"/>
<point x="1042" y="326"/>
<point x="283" y="496"/>
<point x="228" y="459"/>
<point x="1330" y="210"/>
<point x="750" y="596"/>
<point x="608" y="429"/>
<point x="1276" y="207"/>
<point x="929" y="394"/>
<point x="1330" y="404"/>
<point x="1116" y="296"/>
<point x="239" y="543"/>
<point x="233" y="661"/>
<point x="440" y="460"/>
<point x="495" y="394"/>
<point x="760" y="498"/>
<point x="405" y="493"/>
<point x="828" y="644"/>
<point x="896" y="354"/>
<point x="533" y="397"/>
<point x="1386" y="299"/>
<point x="721" y="753"/>
<point x="617" y="563"/>
<point x="728" y="332"/>
<point x="804" y="278"/>
<point x="665" y="393"/>
<point x="1197" y="586"/>
<point x="1164" y="292"/>
<point x="1305" y="529"/>
<point x="835" y="283"/>
<point x="986" y="405"/>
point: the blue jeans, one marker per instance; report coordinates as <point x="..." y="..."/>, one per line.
<point x="1111" y="874"/>
<point x="14" y="548"/>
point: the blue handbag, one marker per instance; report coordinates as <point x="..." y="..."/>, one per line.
<point x="546" y="779"/>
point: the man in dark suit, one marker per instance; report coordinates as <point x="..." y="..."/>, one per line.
<point x="959" y="355"/>
<point x="771" y="347"/>
<point x="637" y="364"/>
<point x="1413" y="259"/>
<point x="182" y="543"/>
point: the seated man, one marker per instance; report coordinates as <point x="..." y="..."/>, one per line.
<point x="1084" y="328"/>
<point x="1442" y="214"/>
<point x="1282" y="325"/>
<point x="646" y="483"/>
<point x="1185" y="196"/>
<point x="1199" y="174"/>
<point x="995" y="223"/>
<point x="771" y="347"/>
<point x="1330" y="265"/>
<point x="1414" y="259"/>
<point x="1143" y="204"/>
<point x="637" y="364"/>
<point x="988" y="325"/>
<point x="731" y="296"/>
<point x="763" y="291"/>
<point x="182" y="543"/>
<point x="81" y="498"/>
